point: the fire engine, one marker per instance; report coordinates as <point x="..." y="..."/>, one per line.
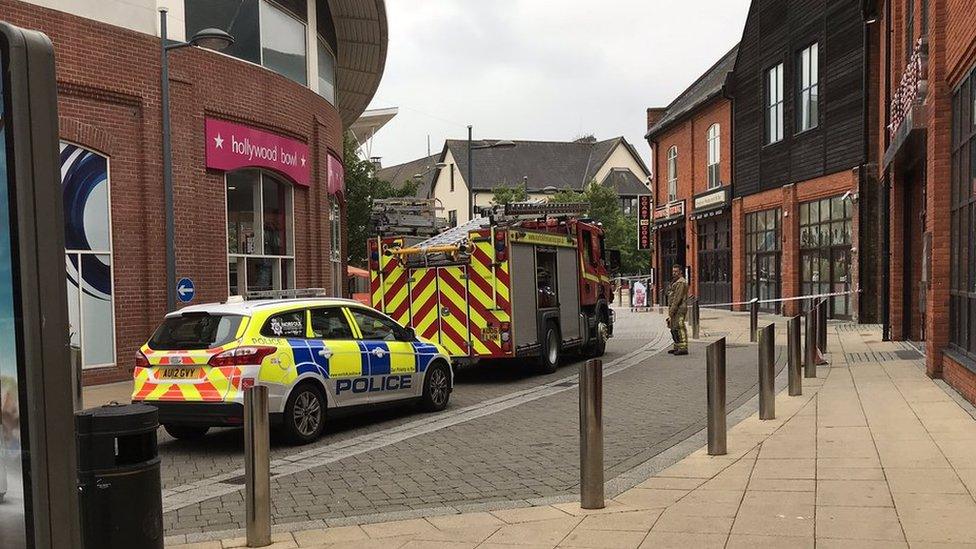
<point x="526" y="280"/>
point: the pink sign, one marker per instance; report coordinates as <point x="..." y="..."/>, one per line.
<point x="337" y="183"/>
<point x="232" y="146"/>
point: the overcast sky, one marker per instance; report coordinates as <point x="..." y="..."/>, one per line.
<point x="542" y="69"/>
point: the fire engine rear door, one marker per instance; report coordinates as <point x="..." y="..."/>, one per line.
<point x="452" y="300"/>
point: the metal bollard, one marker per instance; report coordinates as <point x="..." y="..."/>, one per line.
<point x="810" y="341"/>
<point x="715" y="386"/>
<point x="822" y="329"/>
<point x="695" y="318"/>
<point x="795" y="360"/>
<point x="753" y="319"/>
<point x="591" y="434"/>
<point x="767" y="372"/>
<point x="257" y="466"/>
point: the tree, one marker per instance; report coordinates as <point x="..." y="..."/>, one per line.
<point x="506" y="195"/>
<point x="362" y="187"/>
<point x="620" y="230"/>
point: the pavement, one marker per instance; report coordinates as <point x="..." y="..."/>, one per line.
<point x="873" y="454"/>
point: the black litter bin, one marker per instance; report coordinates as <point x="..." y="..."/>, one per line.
<point x="118" y="477"/>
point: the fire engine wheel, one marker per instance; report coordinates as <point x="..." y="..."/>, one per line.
<point x="548" y="360"/>
<point x="185" y="432"/>
<point x="304" y="414"/>
<point x="437" y="388"/>
<point x="599" y="347"/>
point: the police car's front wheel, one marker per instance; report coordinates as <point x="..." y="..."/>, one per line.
<point x="437" y="388"/>
<point x="185" y="432"/>
<point x="304" y="414"/>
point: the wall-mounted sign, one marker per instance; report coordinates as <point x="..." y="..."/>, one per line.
<point x="337" y="184"/>
<point x="233" y="146"/>
<point x="710" y="203"/>
<point x="645" y="221"/>
<point x="669" y="211"/>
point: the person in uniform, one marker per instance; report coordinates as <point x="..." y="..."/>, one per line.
<point x="677" y="309"/>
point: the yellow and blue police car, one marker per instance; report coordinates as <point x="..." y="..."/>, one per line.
<point x="318" y="357"/>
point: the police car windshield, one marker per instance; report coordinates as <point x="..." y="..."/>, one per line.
<point x="195" y="331"/>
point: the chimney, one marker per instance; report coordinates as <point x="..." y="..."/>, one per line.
<point x="377" y="162"/>
<point x="654" y="115"/>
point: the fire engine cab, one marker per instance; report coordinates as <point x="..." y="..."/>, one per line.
<point x="528" y="280"/>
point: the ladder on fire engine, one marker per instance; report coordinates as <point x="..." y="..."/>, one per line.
<point x="523" y="211"/>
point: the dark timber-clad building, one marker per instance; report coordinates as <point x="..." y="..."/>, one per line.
<point x="803" y="195"/>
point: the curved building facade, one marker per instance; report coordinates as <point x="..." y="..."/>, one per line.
<point x="257" y="153"/>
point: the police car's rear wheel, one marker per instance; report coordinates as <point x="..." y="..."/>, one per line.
<point x="185" y="432"/>
<point x="437" y="388"/>
<point x="304" y="414"/>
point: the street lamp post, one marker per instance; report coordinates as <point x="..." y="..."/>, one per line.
<point x="214" y="39"/>
<point x="470" y="178"/>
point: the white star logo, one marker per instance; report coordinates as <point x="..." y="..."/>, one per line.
<point x="303" y="161"/>
<point x="219" y="142"/>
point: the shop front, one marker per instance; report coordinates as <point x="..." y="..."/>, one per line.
<point x="714" y="235"/>
<point x="764" y="257"/>
<point x="670" y="226"/>
<point x="826" y="252"/>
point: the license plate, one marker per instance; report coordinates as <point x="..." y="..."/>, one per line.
<point x="178" y="373"/>
<point x="489" y="332"/>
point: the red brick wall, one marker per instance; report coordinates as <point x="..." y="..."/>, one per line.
<point x="108" y="84"/>
<point x="690" y="137"/>
<point x="959" y="377"/>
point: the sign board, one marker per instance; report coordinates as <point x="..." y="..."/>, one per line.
<point x="185" y="290"/>
<point x="337" y="183"/>
<point x="38" y="461"/>
<point x="639" y="294"/>
<point x="645" y="222"/>
<point x="233" y="146"/>
<point x="710" y="203"/>
<point x="669" y="211"/>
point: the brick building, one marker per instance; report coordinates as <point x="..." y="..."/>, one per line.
<point x="257" y="152"/>
<point x="802" y="194"/>
<point x="691" y="148"/>
<point x="926" y="153"/>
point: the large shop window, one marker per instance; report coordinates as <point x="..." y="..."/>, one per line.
<point x="264" y="33"/>
<point x="260" y="232"/>
<point x="962" y="300"/>
<point x="88" y="254"/>
<point x="764" y="256"/>
<point x="825" y="251"/>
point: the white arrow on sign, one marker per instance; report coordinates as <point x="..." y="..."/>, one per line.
<point x="183" y="290"/>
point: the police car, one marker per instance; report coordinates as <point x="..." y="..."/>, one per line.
<point x="316" y="356"/>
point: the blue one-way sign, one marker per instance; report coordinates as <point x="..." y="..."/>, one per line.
<point x="185" y="290"/>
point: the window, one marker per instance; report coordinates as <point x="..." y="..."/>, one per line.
<point x="263" y="32"/>
<point x="763" y="256"/>
<point x="825" y="250"/>
<point x="547" y="277"/>
<point x="808" y="110"/>
<point x="672" y="174"/>
<point x="376" y="327"/>
<point x="962" y="286"/>
<point x="452" y="177"/>
<point x="774" y="104"/>
<point x="628" y="205"/>
<point x="290" y="324"/>
<point x="714" y="156"/>
<point x="452" y="218"/>
<point x="260" y="222"/>
<point x="327" y="72"/>
<point x="330" y="323"/>
<point x="88" y="254"/>
<point x="195" y="331"/>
